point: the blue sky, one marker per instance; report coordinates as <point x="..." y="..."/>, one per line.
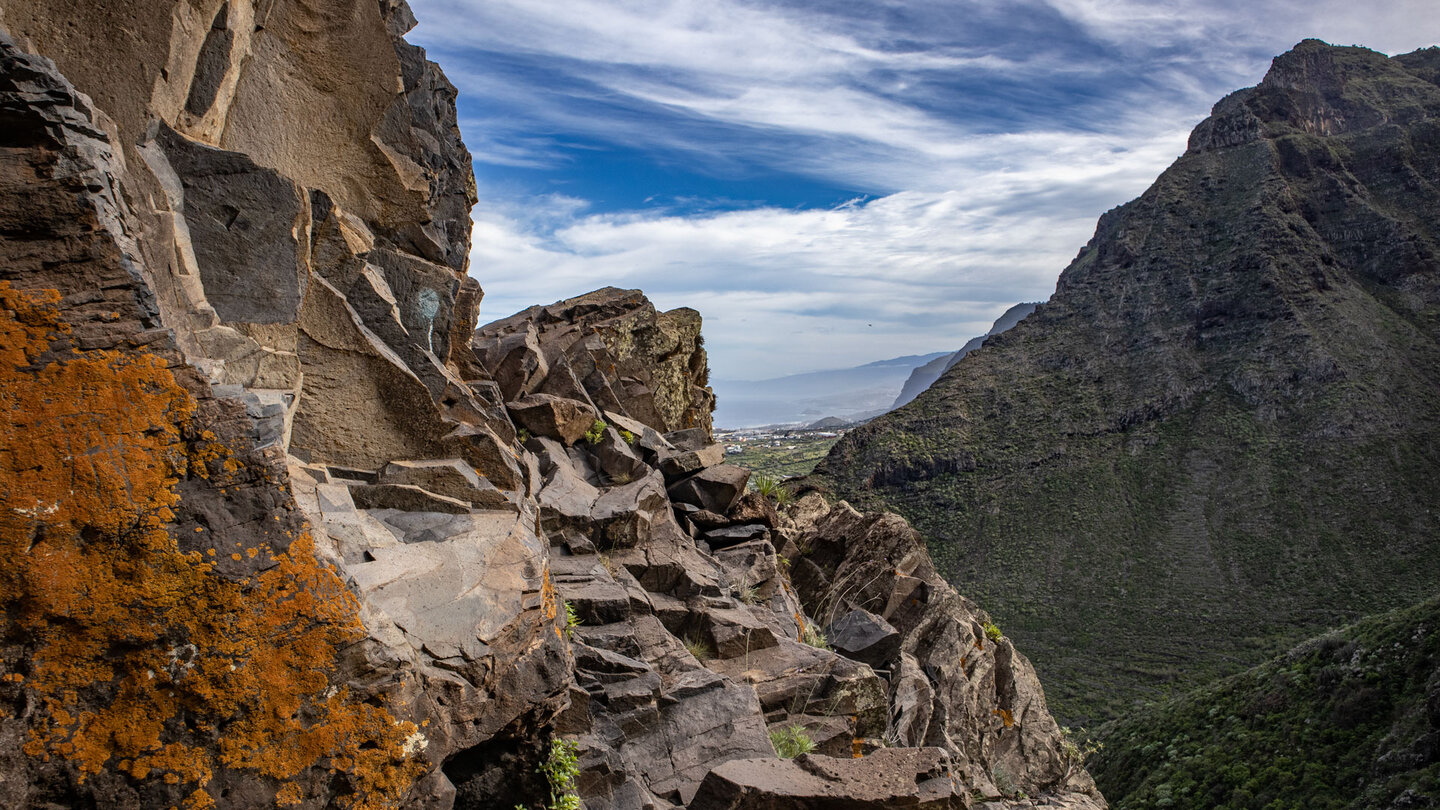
<point x="832" y="182"/>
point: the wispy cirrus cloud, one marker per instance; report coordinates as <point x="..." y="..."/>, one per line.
<point x="697" y="149"/>
<point x="789" y="290"/>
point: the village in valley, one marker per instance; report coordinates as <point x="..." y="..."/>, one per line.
<point x="781" y="451"/>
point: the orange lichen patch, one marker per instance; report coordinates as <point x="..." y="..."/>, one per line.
<point x="142" y="659"/>
<point x="206" y="454"/>
<point x="1006" y="717"/>
<point x="549" y="599"/>
<point x="289" y="795"/>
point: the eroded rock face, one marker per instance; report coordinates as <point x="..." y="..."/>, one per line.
<point x="953" y="682"/>
<point x="264" y="545"/>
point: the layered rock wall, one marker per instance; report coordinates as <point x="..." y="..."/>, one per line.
<point x="234" y="252"/>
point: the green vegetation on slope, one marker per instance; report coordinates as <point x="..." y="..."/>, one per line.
<point x="1222" y="433"/>
<point x="796" y="456"/>
<point x="1347" y="721"/>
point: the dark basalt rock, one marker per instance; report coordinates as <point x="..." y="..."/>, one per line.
<point x="715" y="489"/>
<point x="913" y="778"/>
<point x="865" y="637"/>
<point x="545" y="415"/>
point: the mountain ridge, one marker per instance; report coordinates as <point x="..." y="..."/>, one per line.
<point x="1223" y="423"/>
<point x="924" y="376"/>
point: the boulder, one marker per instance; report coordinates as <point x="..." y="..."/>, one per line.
<point x="715" y="488"/>
<point x="679" y="464"/>
<point x="514" y="360"/>
<point x="566" y="498"/>
<point x="889" y="778"/>
<point x="547" y="415"/>
<point x="865" y="637"/>
<point x="732" y="535"/>
<point x="689" y="438"/>
<point x="755" y="508"/>
<point x="616" y="458"/>
<point x="490" y="455"/>
<point x="626" y="516"/>
<point x="647" y="439"/>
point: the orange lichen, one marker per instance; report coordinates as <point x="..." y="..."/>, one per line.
<point x="142" y="659"/>
<point x="549" y="599"/>
<point x="1005" y="717"/>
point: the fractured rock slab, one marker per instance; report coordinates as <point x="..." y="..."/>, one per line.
<point x="546" y="415"/>
<point x="889" y="778"/>
<point x="716" y="488"/>
<point x="450" y="477"/>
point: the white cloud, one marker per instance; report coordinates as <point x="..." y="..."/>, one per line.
<point x="978" y="212"/>
<point x="785" y="291"/>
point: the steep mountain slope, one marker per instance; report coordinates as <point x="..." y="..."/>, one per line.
<point x="1347" y="720"/>
<point x="924" y="376"/>
<point x="1220" y="433"/>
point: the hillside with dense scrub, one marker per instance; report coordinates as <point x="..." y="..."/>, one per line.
<point x="1222" y="432"/>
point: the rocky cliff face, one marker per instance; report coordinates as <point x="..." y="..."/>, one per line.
<point x="282" y="528"/>
<point x="1220" y="431"/>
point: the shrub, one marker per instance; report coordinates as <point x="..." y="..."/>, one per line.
<point x="993" y="633"/>
<point x="791" y="742"/>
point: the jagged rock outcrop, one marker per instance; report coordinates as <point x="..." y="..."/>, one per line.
<point x="1220" y="433"/>
<point x="609" y="349"/>
<point x="282" y="528"/>
<point x="232" y="265"/>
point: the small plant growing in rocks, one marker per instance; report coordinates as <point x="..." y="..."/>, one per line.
<point x="561" y="769"/>
<point x="627" y="436"/>
<point x="791" y="742"/>
<point x="993" y="633"/>
<point x="1076" y="747"/>
<point x="815" y="637"/>
<point x="572" y="619"/>
<point x="699" y="648"/>
<point x="596" y="431"/>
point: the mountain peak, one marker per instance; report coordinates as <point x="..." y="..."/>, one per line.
<point x="1320" y="89"/>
